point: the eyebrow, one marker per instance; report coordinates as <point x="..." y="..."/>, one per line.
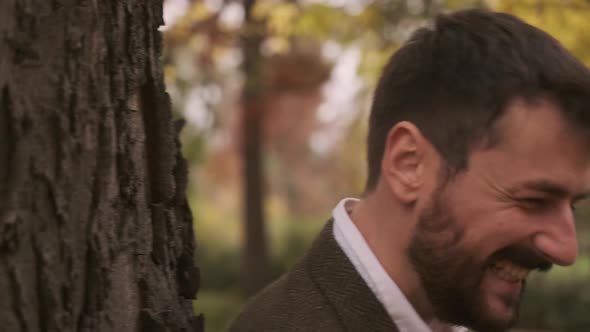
<point x="552" y="189"/>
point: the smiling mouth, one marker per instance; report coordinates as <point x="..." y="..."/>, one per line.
<point x="509" y="271"/>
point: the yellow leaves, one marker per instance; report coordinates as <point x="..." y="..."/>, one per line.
<point x="371" y="17"/>
<point x="326" y="22"/>
<point x="373" y="61"/>
<point x="262" y="9"/>
<point x="462" y="4"/>
<point x="280" y="17"/>
<point x="181" y="30"/>
<point x="169" y="73"/>
<point x="566" y="20"/>
<point x="198" y="12"/>
<point x="198" y="43"/>
<point x="277" y="45"/>
<point x="217" y="52"/>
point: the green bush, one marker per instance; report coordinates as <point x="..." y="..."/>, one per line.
<point x="558" y="302"/>
<point x="218" y="307"/>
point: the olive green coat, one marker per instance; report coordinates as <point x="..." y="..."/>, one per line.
<point x="322" y="292"/>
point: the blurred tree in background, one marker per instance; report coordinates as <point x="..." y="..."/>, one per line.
<point x="276" y="93"/>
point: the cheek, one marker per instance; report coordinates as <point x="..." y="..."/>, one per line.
<point x="486" y="231"/>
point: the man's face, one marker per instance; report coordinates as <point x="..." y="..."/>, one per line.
<point x="509" y="213"/>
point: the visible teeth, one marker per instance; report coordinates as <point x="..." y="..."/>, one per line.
<point x="509" y="271"/>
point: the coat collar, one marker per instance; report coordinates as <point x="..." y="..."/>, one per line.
<point x="335" y="276"/>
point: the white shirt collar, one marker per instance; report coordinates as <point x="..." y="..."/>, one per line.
<point x="352" y="242"/>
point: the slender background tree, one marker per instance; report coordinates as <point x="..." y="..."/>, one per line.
<point x="256" y="270"/>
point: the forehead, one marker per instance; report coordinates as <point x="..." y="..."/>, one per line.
<point x="536" y="142"/>
<point x="531" y="115"/>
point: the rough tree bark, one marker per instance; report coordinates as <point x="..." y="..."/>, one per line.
<point x="256" y="269"/>
<point x="95" y="231"/>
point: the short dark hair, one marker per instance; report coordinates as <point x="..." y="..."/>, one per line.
<point x="454" y="80"/>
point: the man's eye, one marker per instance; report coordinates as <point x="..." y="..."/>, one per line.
<point x="533" y="203"/>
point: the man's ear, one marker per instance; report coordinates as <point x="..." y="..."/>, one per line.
<point x="402" y="166"/>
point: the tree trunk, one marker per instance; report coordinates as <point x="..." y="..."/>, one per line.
<point x="256" y="271"/>
<point x="95" y="230"/>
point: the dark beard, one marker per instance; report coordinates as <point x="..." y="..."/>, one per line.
<point x="451" y="277"/>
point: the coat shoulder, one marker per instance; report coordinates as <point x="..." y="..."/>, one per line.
<point x="292" y="303"/>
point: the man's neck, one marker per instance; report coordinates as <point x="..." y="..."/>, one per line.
<point x="388" y="235"/>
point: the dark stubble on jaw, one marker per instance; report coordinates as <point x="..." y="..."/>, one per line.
<point x="451" y="277"/>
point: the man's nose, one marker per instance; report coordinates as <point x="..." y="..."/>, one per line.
<point x="556" y="240"/>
